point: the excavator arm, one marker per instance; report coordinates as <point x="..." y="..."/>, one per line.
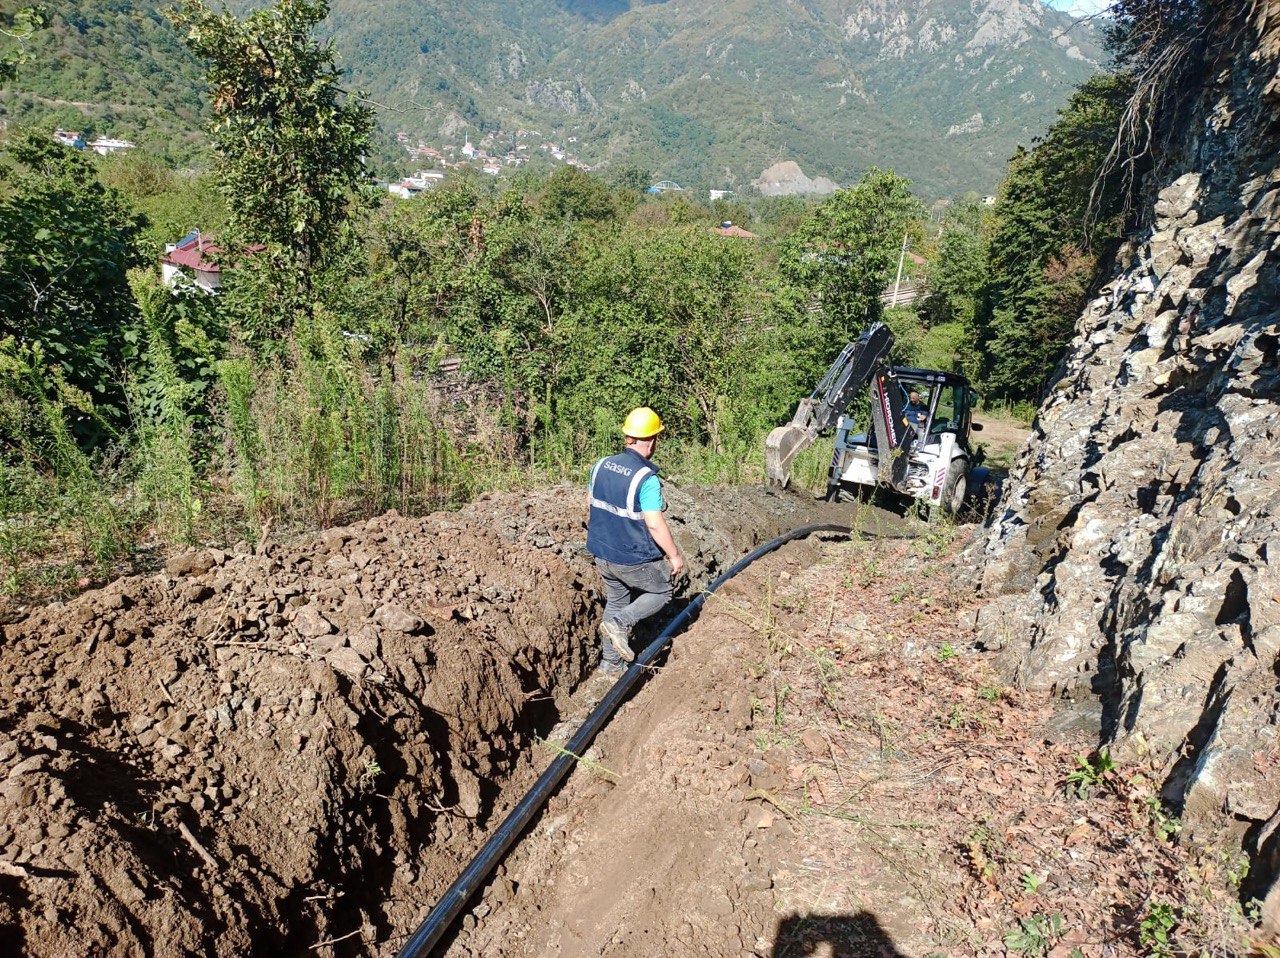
<point x="855" y="367"/>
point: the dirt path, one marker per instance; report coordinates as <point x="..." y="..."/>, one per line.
<point x="658" y="854"/>
<point x="826" y="766"/>
<point x="1002" y="438"/>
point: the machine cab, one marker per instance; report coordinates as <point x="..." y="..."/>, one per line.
<point x="941" y="404"/>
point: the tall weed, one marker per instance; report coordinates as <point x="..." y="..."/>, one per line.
<point x="323" y="433"/>
<point x="167" y="463"/>
<point x="26" y="520"/>
<point x="40" y="410"/>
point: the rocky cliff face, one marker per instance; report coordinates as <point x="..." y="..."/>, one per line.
<point x="1135" y="560"/>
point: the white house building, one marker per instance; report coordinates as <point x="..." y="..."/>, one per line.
<point x="105" y="145"/>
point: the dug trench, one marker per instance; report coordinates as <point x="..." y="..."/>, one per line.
<point x="293" y="749"/>
<point x="828" y="764"/>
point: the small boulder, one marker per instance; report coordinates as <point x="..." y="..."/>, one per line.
<point x="311" y="623"/>
<point x="189" y="563"/>
<point x="395" y="619"/>
<point x="1176" y="199"/>
<point x="322" y="645"/>
<point x="365" y="642"/>
<point x="347" y="661"/>
<point x="196" y="592"/>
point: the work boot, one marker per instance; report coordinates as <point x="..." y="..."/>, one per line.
<point x="611" y="670"/>
<point x="618" y="638"/>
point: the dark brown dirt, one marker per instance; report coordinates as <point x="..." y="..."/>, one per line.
<point x="826" y="766"/>
<point x="295" y="751"/>
<point x="258" y="753"/>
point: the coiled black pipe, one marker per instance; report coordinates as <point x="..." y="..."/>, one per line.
<point x="447" y="909"/>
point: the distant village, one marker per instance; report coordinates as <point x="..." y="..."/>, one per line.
<point x="451" y="156"/>
<point x="193" y="260"/>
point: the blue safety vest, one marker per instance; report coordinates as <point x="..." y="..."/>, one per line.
<point x="616" y="530"/>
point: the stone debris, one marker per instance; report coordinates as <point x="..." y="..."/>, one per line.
<point x="1132" y="561"/>
<point x="250" y="753"/>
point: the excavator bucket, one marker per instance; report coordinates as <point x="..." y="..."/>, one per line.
<point x="782" y="446"/>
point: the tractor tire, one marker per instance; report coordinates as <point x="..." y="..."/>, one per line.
<point x="954" y="489"/>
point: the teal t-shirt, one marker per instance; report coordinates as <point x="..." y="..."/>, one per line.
<point x="651" y="495"/>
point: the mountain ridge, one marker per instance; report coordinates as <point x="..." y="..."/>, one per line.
<point x="696" y="89"/>
<point x="711" y="93"/>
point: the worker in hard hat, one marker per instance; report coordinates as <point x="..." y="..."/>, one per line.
<point x="627" y="534"/>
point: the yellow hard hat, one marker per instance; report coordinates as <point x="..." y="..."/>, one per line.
<point x="642" y="423"/>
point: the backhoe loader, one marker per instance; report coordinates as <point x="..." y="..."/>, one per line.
<point x="917" y="449"/>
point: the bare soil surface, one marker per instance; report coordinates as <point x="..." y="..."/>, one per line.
<point x="826" y="766"/>
<point x="1001" y="437"/>
<point x="295" y="750"/>
<point x="255" y="753"/>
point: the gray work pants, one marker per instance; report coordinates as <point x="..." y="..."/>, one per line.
<point x="632" y="594"/>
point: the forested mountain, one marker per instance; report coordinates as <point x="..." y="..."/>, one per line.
<point x="111" y="67"/>
<point x="709" y="92"/>
<point x="714" y="91"/>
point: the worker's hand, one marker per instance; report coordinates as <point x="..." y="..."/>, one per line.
<point x="677" y="566"/>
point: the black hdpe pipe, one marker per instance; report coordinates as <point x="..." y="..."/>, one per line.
<point x="448" y="908"/>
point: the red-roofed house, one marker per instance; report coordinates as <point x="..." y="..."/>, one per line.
<point x="729" y="229"/>
<point x="191" y="258"/>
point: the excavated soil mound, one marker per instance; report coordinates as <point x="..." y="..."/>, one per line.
<point x="255" y="753"/>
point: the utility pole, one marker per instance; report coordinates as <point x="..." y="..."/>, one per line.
<point x="897" y="283"/>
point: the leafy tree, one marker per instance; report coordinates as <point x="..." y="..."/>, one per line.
<point x="66" y="244"/>
<point x="171" y="204"/>
<point x="733" y="211"/>
<point x="1029" y="305"/>
<point x="289" y="142"/>
<point x="679" y="318"/>
<point x="536" y="261"/>
<point x="571" y="194"/>
<point x="17" y="28"/>
<point x="1141" y="31"/>
<point x="780" y="215"/>
<point x="846" y="250"/>
<point x="959" y="269"/>
<point x="405" y="285"/>
<point x="630" y="177"/>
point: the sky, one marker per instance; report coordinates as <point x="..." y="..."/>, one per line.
<point x="1078" y="8"/>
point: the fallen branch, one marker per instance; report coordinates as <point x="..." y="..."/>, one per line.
<point x="589" y="763"/>
<point x="766" y="797"/>
<point x="195" y="844"/>
<point x="334" y="941"/>
<point x="868" y="822"/>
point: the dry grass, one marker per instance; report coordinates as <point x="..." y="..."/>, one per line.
<point x="924" y="792"/>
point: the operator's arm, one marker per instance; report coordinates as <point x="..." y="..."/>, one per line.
<point x="657" y="525"/>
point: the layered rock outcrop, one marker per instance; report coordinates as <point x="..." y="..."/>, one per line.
<point x="1134" y="562"/>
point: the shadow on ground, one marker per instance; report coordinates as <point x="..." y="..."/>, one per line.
<point x="833" y="936"/>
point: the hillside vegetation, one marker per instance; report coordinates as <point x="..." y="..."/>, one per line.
<point x="310" y="388"/>
<point x="112" y="67"/>
<point x="706" y="93"/>
<point x="713" y="93"/>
